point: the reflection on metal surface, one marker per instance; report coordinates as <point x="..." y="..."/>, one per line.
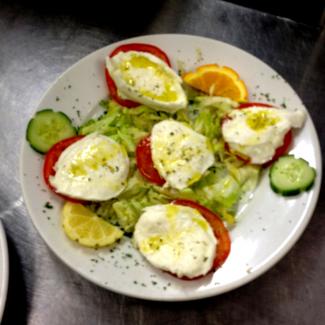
<point x="14" y="205"/>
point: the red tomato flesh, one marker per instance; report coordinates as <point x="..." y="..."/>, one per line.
<point x="280" y="151"/>
<point x="139" y="47"/>
<point x="51" y="158"/>
<point x="114" y="94"/>
<point x="287" y="140"/>
<point x="142" y="47"/>
<point x="145" y="162"/>
<point x="250" y="104"/>
<point x="219" y="230"/>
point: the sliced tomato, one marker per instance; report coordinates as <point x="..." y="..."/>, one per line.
<point x="287" y="140"/>
<point x="218" y="227"/>
<point x="140" y="47"/>
<point x="250" y="104"/>
<point x="145" y="162"/>
<point x="280" y="151"/>
<point x="114" y="94"/>
<point x="51" y="158"/>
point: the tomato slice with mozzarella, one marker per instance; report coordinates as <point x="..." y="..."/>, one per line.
<point x="140" y="47"/>
<point x="280" y="151"/>
<point x="114" y="93"/>
<point x="239" y="156"/>
<point x="219" y="230"/>
<point x="51" y="158"/>
<point x="145" y="162"/>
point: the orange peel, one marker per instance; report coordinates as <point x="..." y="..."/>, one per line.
<point x="216" y="80"/>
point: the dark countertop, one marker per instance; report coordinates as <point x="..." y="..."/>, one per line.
<point x="36" y="46"/>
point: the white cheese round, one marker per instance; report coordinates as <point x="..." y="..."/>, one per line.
<point x="180" y="154"/>
<point x="256" y="132"/>
<point x="146" y="79"/>
<point x="176" y="239"/>
<point x="94" y="168"/>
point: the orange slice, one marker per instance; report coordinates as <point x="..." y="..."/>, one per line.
<point x="215" y="80"/>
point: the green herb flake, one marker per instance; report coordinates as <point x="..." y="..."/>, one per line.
<point x="48" y="205"/>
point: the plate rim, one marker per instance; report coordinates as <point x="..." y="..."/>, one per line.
<point x="4" y="269"/>
<point x="273" y="259"/>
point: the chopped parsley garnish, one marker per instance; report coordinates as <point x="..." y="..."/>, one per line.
<point x="48" y="205"/>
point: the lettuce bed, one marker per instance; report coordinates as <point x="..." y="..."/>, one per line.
<point x="220" y="188"/>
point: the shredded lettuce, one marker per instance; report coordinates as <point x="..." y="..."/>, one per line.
<point x="220" y="189"/>
<point x="126" y="209"/>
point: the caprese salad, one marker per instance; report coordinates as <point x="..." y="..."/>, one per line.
<point x="168" y="163"/>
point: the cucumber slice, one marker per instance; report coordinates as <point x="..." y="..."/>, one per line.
<point x="47" y="128"/>
<point x="290" y="176"/>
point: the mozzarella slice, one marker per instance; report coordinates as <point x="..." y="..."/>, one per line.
<point x="148" y="80"/>
<point x="256" y="132"/>
<point x="180" y="154"/>
<point x="94" y="168"/>
<point x="176" y="239"/>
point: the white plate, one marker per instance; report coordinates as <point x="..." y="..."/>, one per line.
<point x="268" y="226"/>
<point x="4" y="270"/>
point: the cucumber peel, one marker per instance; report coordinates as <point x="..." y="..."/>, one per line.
<point x="290" y="176"/>
<point x="47" y="128"/>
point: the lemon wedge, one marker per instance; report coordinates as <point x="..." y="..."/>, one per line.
<point x="85" y="227"/>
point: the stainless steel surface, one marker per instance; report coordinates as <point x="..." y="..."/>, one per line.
<point x="36" y="46"/>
